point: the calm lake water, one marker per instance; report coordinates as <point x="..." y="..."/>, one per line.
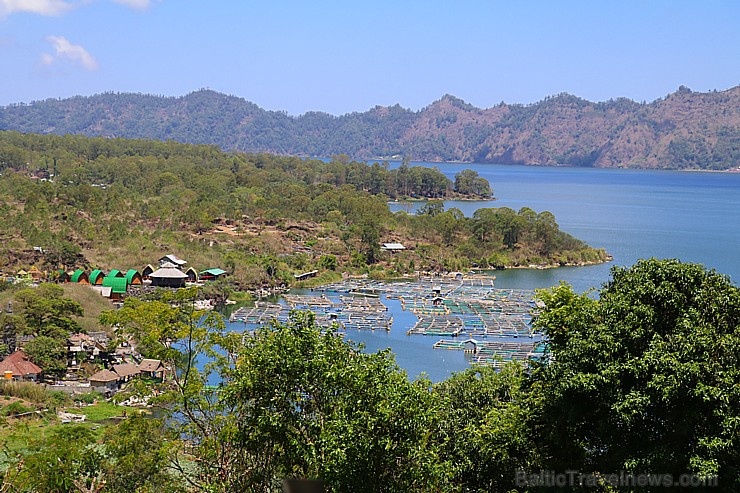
<point x="691" y="216"/>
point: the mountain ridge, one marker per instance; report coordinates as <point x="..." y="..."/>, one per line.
<point x="684" y="130"/>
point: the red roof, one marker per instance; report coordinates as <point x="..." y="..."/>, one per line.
<point x="19" y="364"/>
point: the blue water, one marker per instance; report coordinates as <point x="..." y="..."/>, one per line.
<point x="691" y="216"/>
<point x="633" y="214"/>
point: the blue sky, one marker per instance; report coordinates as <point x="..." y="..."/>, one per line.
<point x="341" y="57"/>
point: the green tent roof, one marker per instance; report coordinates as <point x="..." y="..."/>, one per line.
<point x="118" y="285"/>
<point x="94" y="275"/>
<point x="130" y="275"/>
<point x="115" y="273"/>
<point x="76" y="275"/>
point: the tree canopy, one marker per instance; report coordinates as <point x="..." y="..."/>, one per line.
<point x="641" y="379"/>
<point x="644" y="378"/>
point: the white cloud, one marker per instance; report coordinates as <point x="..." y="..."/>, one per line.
<point x="42" y="7"/>
<point x="135" y="4"/>
<point x="66" y="50"/>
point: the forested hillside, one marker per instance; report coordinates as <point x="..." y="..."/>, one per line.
<point x="119" y="203"/>
<point x="684" y="130"/>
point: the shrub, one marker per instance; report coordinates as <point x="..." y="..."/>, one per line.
<point x="88" y="398"/>
<point x="14" y="408"/>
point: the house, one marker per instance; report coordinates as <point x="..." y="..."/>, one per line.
<point x="23" y="276"/>
<point x="118" y="286"/>
<point x="146" y="272"/>
<point x="470" y="346"/>
<point x="126" y="371"/>
<point x="115" y="273"/>
<point x="133" y="278"/>
<point x="305" y="275"/>
<point x="172" y="259"/>
<point x="96" y="277"/>
<point x="211" y="274"/>
<point x="104" y="381"/>
<point x="192" y="275"/>
<point x="168" y="276"/>
<point x="392" y="247"/>
<point x="36" y="274"/>
<point x="63" y="276"/>
<point x="17" y="366"/>
<point x="152" y="368"/>
<point x="80" y="276"/>
<point x="85" y="347"/>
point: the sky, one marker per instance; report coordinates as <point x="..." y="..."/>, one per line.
<point x="349" y="56"/>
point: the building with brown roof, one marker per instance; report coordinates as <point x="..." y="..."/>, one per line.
<point x="152" y="368"/>
<point x="17" y="366"/>
<point x="126" y="371"/>
<point x="104" y="381"/>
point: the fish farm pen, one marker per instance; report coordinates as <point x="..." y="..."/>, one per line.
<point x="491" y="325"/>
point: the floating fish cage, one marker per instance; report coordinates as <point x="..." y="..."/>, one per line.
<point x="494" y="353"/>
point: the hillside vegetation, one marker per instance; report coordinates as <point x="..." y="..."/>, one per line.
<point x="684" y="130"/>
<point x="118" y="203"/>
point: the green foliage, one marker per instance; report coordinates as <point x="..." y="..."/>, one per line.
<point x="48" y="353"/>
<point x="644" y="377"/>
<point x="329" y="411"/>
<point x="138" y="453"/>
<point x="66" y="461"/>
<point x="483" y="428"/>
<point x="88" y="397"/>
<point x="14" y="408"/>
<point x="46" y="312"/>
<point x="467" y="182"/>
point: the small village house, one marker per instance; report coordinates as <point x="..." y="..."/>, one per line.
<point x="211" y="274"/>
<point x="168" y="276"/>
<point x="126" y="371"/>
<point x="63" y="276"/>
<point x="192" y="275"/>
<point x="118" y="287"/>
<point x="172" y="259"/>
<point x="17" y="366"/>
<point x="152" y="368"/>
<point x="80" y="276"/>
<point x="133" y="278"/>
<point x="36" y="274"/>
<point x="104" y="381"/>
<point x="146" y="272"/>
<point x="23" y="276"/>
<point x="96" y="277"/>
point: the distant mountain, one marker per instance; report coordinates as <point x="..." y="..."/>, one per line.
<point x="684" y="130"/>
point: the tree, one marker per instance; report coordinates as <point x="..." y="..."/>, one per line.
<point x="48" y="353"/>
<point x="308" y="404"/>
<point x="644" y="378"/>
<point x="192" y="344"/>
<point x="468" y="182"/>
<point x="138" y="454"/>
<point x="46" y="312"/>
<point x="483" y="433"/>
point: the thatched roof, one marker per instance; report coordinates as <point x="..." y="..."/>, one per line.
<point x="104" y="376"/>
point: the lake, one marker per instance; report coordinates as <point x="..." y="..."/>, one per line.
<point x="632" y="214"/>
